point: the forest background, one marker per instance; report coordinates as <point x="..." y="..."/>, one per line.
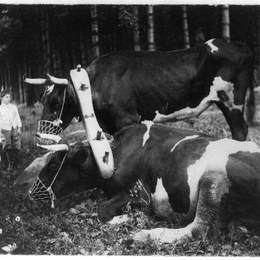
<point x="40" y="39"/>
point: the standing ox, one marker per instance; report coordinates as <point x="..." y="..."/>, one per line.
<point x="170" y="169"/>
<point x="130" y="86"/>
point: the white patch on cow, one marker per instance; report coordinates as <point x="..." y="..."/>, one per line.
<point x="184" y="139"/>
<point x="118" y="219"/>
<point x="221" y="85"/>
<point x="146" y="136"/>
<point x="49" y="89"/>
<point x="160" y="200"/>
<point x="215" y="158"/>
<point x="238" y="107"/>
<point x="160" y="193"/>
<point x="213" y="47"/>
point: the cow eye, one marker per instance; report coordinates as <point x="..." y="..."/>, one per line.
<point x="55" y="104"/>
<point x="53" y="167"/>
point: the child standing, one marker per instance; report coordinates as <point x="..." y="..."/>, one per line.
<point x="10" y="126"/>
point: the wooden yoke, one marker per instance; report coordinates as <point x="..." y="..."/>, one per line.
<point x="96" y="137"/>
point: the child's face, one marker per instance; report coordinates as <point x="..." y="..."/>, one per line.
<point x="6" y="99"/>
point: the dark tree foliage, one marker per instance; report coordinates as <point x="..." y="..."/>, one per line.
<point x="36" y="39"/>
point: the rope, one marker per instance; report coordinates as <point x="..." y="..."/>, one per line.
<point x="38" y="190"/>
<point x="63" y="103"/>
<point x="64" y="157"/>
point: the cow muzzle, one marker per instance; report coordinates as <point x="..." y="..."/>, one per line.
<point x="39" y="191"/>
<point x="48" y="133"/>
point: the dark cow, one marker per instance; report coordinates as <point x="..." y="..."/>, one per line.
<point x="171" y="169"/>
<point x="129" y="87"/>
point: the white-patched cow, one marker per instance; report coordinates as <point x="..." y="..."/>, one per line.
<point x="128" y="87"/>
<point x="164" y="168"/>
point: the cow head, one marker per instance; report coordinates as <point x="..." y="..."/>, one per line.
<point x="59" y="100"/>
<point x="61" y="172"/>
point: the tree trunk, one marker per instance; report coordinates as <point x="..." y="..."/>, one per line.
<point x="94" y="30"/>
<point x="185" y="27"/>
<point x="54" y="59"/>
<point x="137" y="44"/>
<point x="9" y="84"/>
<point x="20" y="85"/>
<point x="29" y="90"/>
<point x="83" y="47"/>
<point x="1" y="80"/>
<point x="45" y="41"/>
<point x="257" y="48"/>
<point x="150" y="22"/>
<point x="225" y="23"/>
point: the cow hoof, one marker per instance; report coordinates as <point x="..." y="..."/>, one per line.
<point x="162" y="235"/>
<point x="141" y="236"/>
<point x="153" y="234"/>
<point x="118" y="220"/>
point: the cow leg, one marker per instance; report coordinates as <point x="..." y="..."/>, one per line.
<point x="234" y="114"/>
<point x="238" y="126"/>
<point x="212" y="187"/>
<point x="113" y="207"/>
<point x="183" y="114"/>
<point x="232" y="98"/>
<point x="123" y="119"/>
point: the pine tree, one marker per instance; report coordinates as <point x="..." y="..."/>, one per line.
<point x="150" y="22"/>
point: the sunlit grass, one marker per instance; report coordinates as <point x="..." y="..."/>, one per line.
<point x="211" y="122"/>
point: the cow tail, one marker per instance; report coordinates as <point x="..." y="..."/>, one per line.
<point x="250" y="100"/>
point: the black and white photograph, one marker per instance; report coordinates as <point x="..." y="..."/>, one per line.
<point x="130" y="128"/>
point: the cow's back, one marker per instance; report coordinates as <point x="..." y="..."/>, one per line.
<point x="129" y="87"/>
<point x="165" y="154"/>
<point x="142" y="82"/>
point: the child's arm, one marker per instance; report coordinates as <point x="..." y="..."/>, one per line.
<point x="17" y="120"/>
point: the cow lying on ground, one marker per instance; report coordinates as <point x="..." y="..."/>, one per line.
<point x="169" y="169"/>
<point x="129" y="87"/>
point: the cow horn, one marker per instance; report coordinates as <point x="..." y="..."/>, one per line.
<point x="35" y="81"/>
<point x="84" y="142"/>
<point x="55" y="147"/>
<point x="59" y="81"/>
<point x="33" y="170"/>
<point x="77" y="132"/>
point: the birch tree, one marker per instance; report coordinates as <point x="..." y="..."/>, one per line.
<point x="150" y="22"/>
<point x="185" y="27"/>
<point x="94" y="30"/>
<point x="257" y="47"/>
<point x="137" y="44"/>
<point x="225" y="23"/>
<point x="45" y="40"/>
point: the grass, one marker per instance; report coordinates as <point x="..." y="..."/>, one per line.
<point x="73" y="227"/>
